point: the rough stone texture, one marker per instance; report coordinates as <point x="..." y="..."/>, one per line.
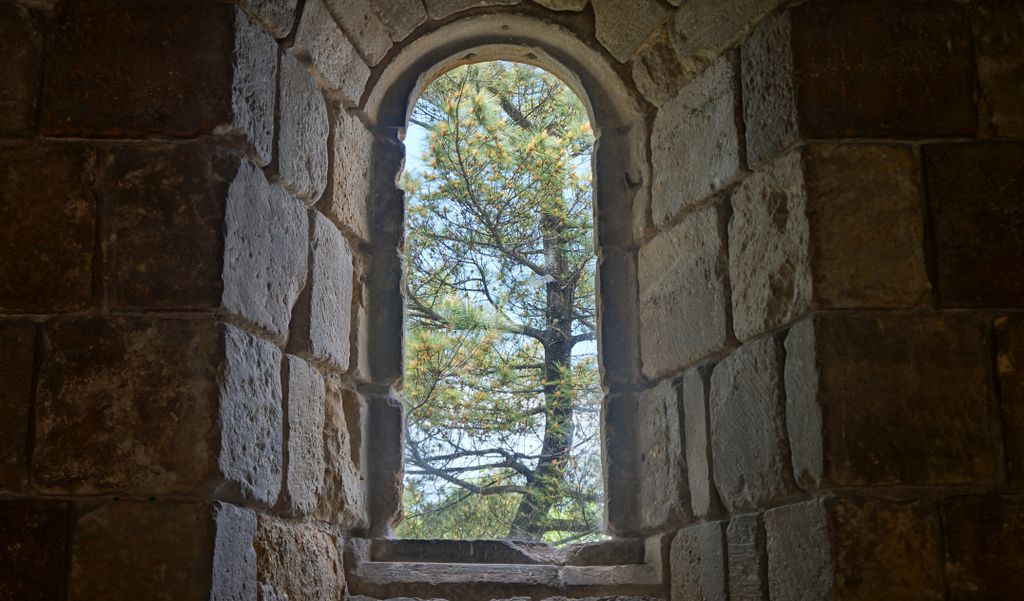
<point x="277" y="16"/>
<point x="683" y="294"/>
<point x="698" y="563"/>
<point x="108" y="388"/>
<point x="47" y="228"/>
<point x="1009" y="333"/>
<point x="304" y="478"/>
<point x="981" y="538"/>
<point x="189" y="552"/>
<point x="252" y="88"/>
<point x="163" y="221"/>
<point x="977" y="219"/>
<point x="748" y="429"/>
<point x="400" y="17"/>
<point x="706" y="27"/>
<point x="266" y="235"/>
<point x="440" y="9"/>
<point x="657" y="70"/>
<point x="299" y="560"/>
<point x="696" y="437"/>
<point x="643" y="17"/>
<point x="889" y="400"/>
<point x="251" y="417"/>
<point x="333" y="59"/>
<point x="857" y="549"/>
<point x="21" y="45"/>
<point x="619" y="458"/>
<point x="302" y="133"/>
<point x="344" y="498"/>
<point x="363" y="27"/>
<point x="563" y="4"/>
<point x="748" y="558"/>
<point x="664" y="489"/>
<point x="998" y="27"/>
<point x="695" y="145"/>
<point x="346" y="203"/>
<point x="826" y="70"/>
<point x="33" y="550"/>
<point x="17" y="351"/>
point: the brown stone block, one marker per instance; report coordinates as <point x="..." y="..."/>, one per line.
<point x="858" y="69"/>
<point x="17" y="355"/>
<point x="981" y="538"/>
<point x="163" y="225"/>
<point x="21" y="45"/>
<point x="855" y="549"/>
<point x="698" y="563"/>
<point x="33" y="550"/>
<point x="876" y="400"/>
<point x="998" y="27"/>
<point x="748" y="558"/>
<point x="47" y="228"/>
<point x="1009" y="332"/>
<point x="304" y="433"/>
<point x="977" y="219"/>
<point x="664" y="495"/>
<point x="344" y="499"/>
<point x="185" y="552"/>
<point x="300" y="560"/>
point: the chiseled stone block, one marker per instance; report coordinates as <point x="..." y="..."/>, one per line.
<point x="440" y="9"/>
<point x="664" y="499"/>
<point x="699" y="563"/>
<point x="344" y="500"/>
<point x="302" y="132"/>
<point x="347" y="199"/>
<point x="299" y="560"/>
<point x="17" y="355"/>
<point x="400" y="17"/>
<point x="304" y="474"/>
<point x="695" y="390"/>
<point x="748" y="558"/>
<point x="364" y="28"/>
<point x="276" y="16"/>
<point x="612" y="17"/>
<point x="33" y="549"/>
<point x="332" y="59"/>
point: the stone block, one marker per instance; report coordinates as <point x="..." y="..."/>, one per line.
<point x="156" y="69"/>
<point x="322" y="324"/>
<point x="748" y="558"/>
<point x="699" y="564"/>
<point x="706" y="27"/>
<point x="33" y="549"/>
<point x="683" y="294"/>
<point x="47" y="228"/>
<point x="163" y="221"/>
<point x="347" y="199"/>
<point x="302" y="133"/>
<point x="872" y="69"/>
<point x="620" y="458"/>
<point x="363" y="27"/>
<point x="856" y="549"/>
<point x="748" y="427"/>
<point x="998" y="27"/>
<point x="385" y="463"/>
<point x="883" y="400"/>
<point x="265" y="248"/>
<point x="304" y="433"/>
<point x="657" y="70"/>
<point x="574" y="5"/>
<point x="400" y="17"/>
<point x="618" y="344"/>
<point x="1009" y="333"/>
<point x="696" y="438"/>
<point x="17" y="355"/>
<point x="643" y="16"/>
<point x="977" y="216"/>
<point x="333" y="60"/>
<point x="694" y="142"/>
<point x="805" y="234"/>
<point x="186" y="552"/>
<point x="21" y="45"/>
<point x="344" y="499"/>
<point x="983" y="555"/>
<point x="664" y="489"/>
<point x="441" y="9"/>
<point x="300" y="560"/>
<point x="276" y="16"/>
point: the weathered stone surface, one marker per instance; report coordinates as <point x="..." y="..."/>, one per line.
<point x="858" y="549"/>
<point x="748" y="558"/>
<point x="563" y="4"/>
<point x="344" y="499"/>
<point x="889" y="400"/>
<point x="694" y="141"/>
<point x="440" y="9"/>
<point x="657" y="70"/>
<point x="17" y="353"/>
<point x="33" y="549"/>
<point x="252" y="88"/>
<point x="696" y="439"/>
<point x="748" y="429"/>
<point x="304" y="477"/>
<point x="384" y="463"/>
<point x="332" y="58"/>
<point x="706" y="27"/>
<point x="619" y="459"/>
<point x="265" y="248"/>
<point x="166" y="550"/>
<point x="664" y="488"/>
<point x="824" y="70"/>
<point x="998" y="27"/>
<point x="276" y="16"/>
<point x="251" y="417"/>
<point x="400" y="17"/>
<point x="346" y="202"/>
<point x="1009" y="333"/>
<point x="363" y="27"/>
<point x="683" y="294"/>
<point x="47" y="228"/>
<point x="300" y="560"/>
<point x="21" y="45"/>
<point x="698" y="563"/>
<point x="302" y="133"/>
<point x="162" y="227"/>
<point x="981" y="538"/>
<point x="643" y="17"/>
<point x="977" y="219"/>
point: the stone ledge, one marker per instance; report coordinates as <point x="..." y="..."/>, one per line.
<point x="603" y="553"/>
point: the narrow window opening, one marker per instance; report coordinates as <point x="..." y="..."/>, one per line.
<point x="502" y="391"/>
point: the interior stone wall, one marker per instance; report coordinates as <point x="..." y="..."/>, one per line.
<point x="828" y="244"/>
